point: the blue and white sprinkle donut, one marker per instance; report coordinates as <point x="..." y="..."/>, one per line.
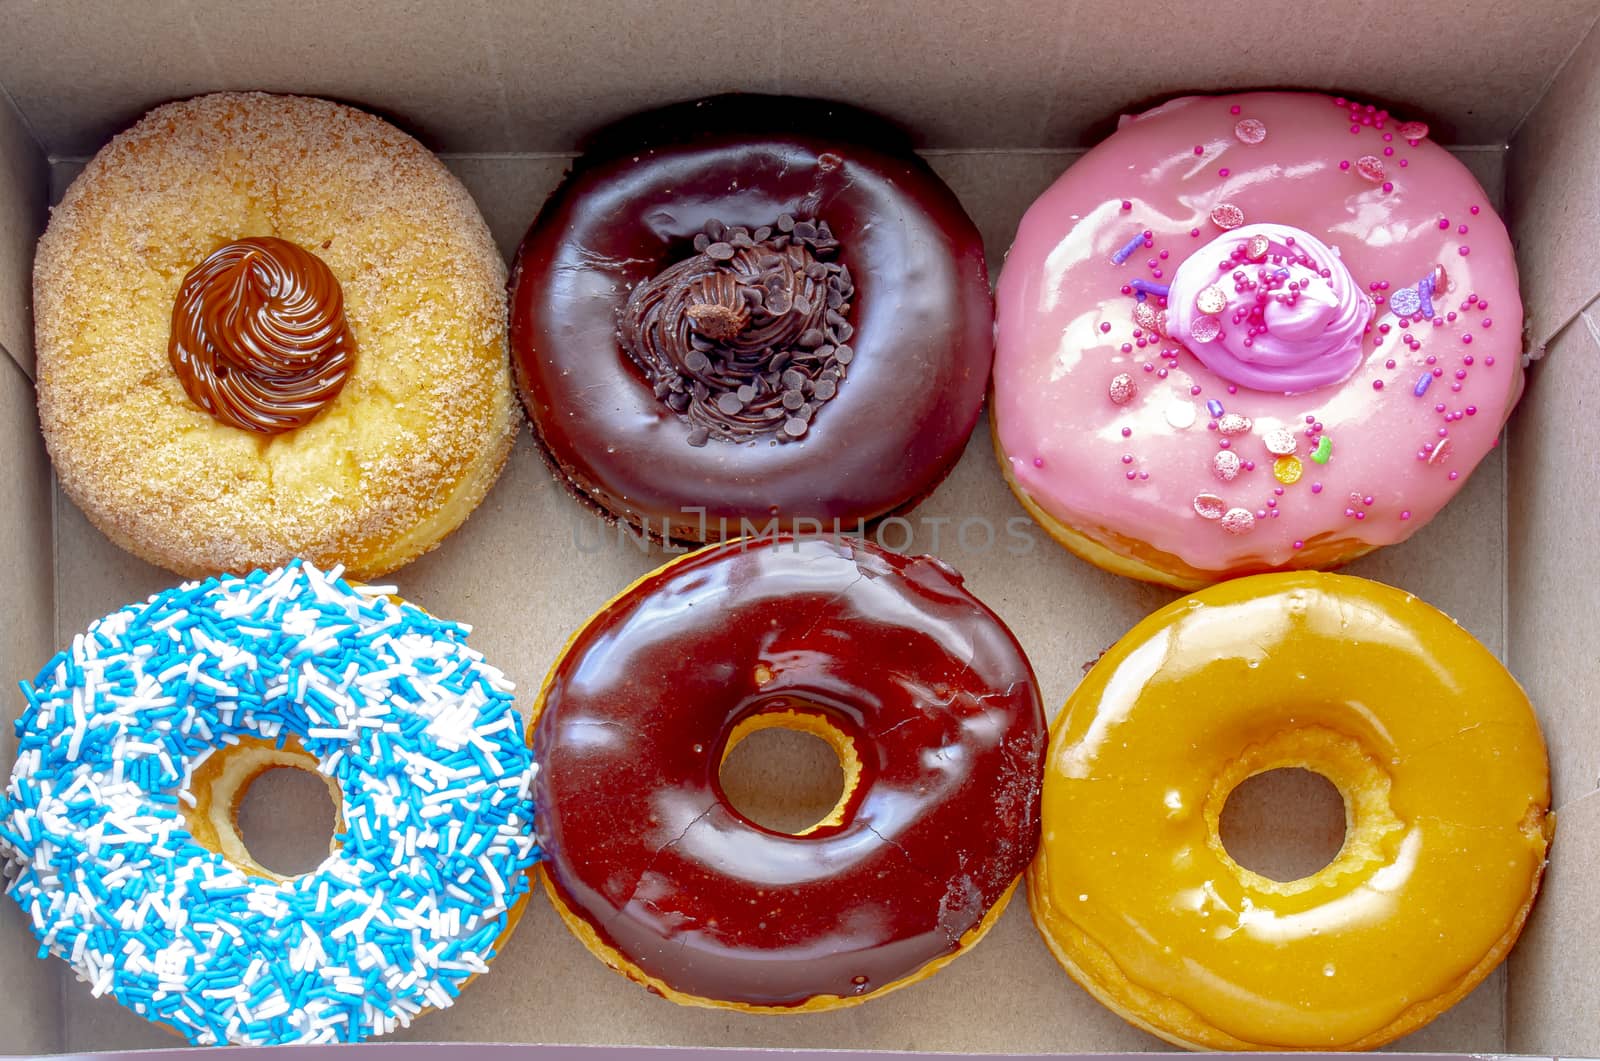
<point x="98" y="825"/>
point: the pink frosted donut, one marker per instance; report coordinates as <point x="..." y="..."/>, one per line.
<point x="1250" y="333"/>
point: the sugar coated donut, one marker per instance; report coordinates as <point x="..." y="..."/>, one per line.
<point x="1446" y="787"/>
<point x="1253" y="332"/>
<point x="118" y="826"/>
<point x="750" y="314"/>
<point x="271" y="327"/>
<point x="924" y="695"/>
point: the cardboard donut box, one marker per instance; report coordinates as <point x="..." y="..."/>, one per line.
<point x="1001" y="95"/>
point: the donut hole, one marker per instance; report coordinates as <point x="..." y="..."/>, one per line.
<point x="787" y="771"/>
<point x="1285" y="824"/>
<point x="286" y="820"/>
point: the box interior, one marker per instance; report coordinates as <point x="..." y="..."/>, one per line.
<point x="1002" y="97"/>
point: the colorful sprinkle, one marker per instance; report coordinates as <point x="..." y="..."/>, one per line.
<point x="1323" y="451"/>
<point x="1250" y="131"/>
<point x="1225" y="465"/>
<point x="1370" y="167"/>
<point x="1239" y="521"/>
<point x="1126" y="250"/>
<point x="1214" y="407"/>
<point x="1234" y="424"/>
<point x="1287" y="470"/>
<point x="1209" y="506"/>
<point x="1205" y="329"/>
<point x="1423" y="382"/>
<point x="1280" y="441"/>
<point x="1211" y="299"/>
<point x="1413" y="130"/>
<point x="1123" y="389"/>
<point x="1147" y="288"/>
<point x="1227" y="216"/>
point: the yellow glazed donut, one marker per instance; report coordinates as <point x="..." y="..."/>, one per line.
<point x="1430" y="741"/>
<point x="270" y="327"/>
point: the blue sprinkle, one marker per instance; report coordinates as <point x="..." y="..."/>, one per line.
<point x="1127" y="250"/>
<point x="1145" y="287"/>
<point x="1214" y="407"/>
<point x="1423" y="382"/>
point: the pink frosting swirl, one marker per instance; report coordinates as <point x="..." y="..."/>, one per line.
<point x="1269" y="307"/>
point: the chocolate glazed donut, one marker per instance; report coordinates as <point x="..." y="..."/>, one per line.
<point x="842" y="308"/>
<point x="930" y="703"/>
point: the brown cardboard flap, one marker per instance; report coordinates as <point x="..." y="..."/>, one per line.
<point x="506" y="75"/>
<point x="1554" y="554"/>
<point x="1554" y="993"/>
<point x="1553" y="191"/>
<point x="30" y="1003"/>
<point x="23" y="184"/>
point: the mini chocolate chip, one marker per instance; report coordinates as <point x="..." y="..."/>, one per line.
<point x="771" y="261"/>
<point x="741" y="238"/>
<point x="843" y="332"/>
<point x="662" y="388"/>
<point x="719" y="252"/>
<point x="678" y="402"/>
<point x="823" y="230"/>
<point x="763" y="233"/>
<point x="816" y="270"/>
<point x="697" y="361"/>
<point x="794" y="427"/>
<point x="811" y="338"/>
<point x="746" y="394"/>
<point x="834" y="317"/>
<point x="835" y="300"/>
<point x="785" y="223"/>
<point x="824" y="389"/>
<point x="793" y="399"/>
<point x="778" y="303"/>
<point x="701" y="242"/>
<point x="806" y="411"/>
<point x="844" y="355"/>
<point x="715" y="229"/>
<point x="802" y="306"/>
<point x="780" y="360"/>
<point x="729" y="403"/>
<point x="824" y="351"/>
<point x="805" y="230"/>
<point x="699" y="436"/>
<point x="793" y="378"/>
<point x="753" y="295"/>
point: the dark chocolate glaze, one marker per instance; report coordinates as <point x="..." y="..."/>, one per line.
<point x="641" y="843"/>
<point x="922" y="316"/>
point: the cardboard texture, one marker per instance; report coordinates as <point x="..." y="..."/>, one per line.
<point x="1555" y="185"/>
<point x="22" y="209"/>
<point x="30" y="1013"/>
<point x="1004" y="97"/>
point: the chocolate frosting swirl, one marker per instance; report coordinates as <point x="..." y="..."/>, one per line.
<point x="259" y="336"/>
<point x="748" y="337"/>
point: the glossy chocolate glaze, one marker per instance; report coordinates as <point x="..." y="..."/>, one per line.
<point x="641" y="843"/>
<point x="922" y="315"/>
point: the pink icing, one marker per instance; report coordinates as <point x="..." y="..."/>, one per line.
<point x="1293" y="319"/>
<point x="1162" y="466"/>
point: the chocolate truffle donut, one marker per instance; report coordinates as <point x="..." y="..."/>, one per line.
<point x="921" y="690"/>
<point x="750" y="309"/>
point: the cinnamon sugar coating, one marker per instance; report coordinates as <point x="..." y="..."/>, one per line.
<point x="423" y="424"/>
